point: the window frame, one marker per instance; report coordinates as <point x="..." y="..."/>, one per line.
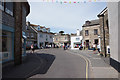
<point x="95" y="31"/>
<point x="87" y="34"/>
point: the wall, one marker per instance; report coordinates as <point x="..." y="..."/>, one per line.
<point x="91" y="35"/>
<point x="73" y="40"/>
<point x="114" y="19"/>
<point x="43" y="38"/>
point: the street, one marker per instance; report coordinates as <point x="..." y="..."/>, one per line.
<point x="65" y="65"/>
<point x="59" y="63"/>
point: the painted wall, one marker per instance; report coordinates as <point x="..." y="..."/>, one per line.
<point x="113" y="23"/>
<point x="73" y="40"/>
<point x="44" y="37"/>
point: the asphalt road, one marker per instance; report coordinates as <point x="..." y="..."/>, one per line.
<point x="65" y="65"/>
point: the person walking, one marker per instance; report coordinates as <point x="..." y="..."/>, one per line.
<point x="32" y="48"/>
<point x="98" y="48"/>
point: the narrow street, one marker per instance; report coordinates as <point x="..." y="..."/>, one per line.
<point x="65" y="65"/>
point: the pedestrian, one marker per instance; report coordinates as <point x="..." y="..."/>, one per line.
<point x="94" y="49"/>
<point x="98" y="48"/>
<point x="32" y="48"/>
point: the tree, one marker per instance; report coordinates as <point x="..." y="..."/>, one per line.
<point x="61" y="32"/>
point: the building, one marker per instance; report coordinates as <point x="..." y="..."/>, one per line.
<point x="31" y="34"/>
<point x="61" y="40"/>
<point x="114" y="29"/>
<point x="12" y="21"/>
<point x="44" y="36"/>
<point x="76" y="40"/>
<point x="90" y="32"/>
<point x="104" y="31"/>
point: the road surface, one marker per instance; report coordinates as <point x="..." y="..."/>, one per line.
<point x="65" y="65"/>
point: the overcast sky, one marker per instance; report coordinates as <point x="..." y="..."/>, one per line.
<point x="67" y="17"/>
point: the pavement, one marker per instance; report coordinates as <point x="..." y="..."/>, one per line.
<point x="32" y="65"/>
<point x="100" y="69"/>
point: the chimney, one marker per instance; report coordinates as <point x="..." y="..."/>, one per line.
<point x="78" y="32"/>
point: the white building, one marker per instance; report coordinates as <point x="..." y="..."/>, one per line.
<point x="76" y="41"/>
<point x="45" y="39"/>
<point x="114" y="23"/>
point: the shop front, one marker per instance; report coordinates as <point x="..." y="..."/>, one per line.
<point x="7" y="39"/>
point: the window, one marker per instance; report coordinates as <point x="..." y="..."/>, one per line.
<point x="9" y="8"/>
<point x="41" y="35"/>
<point x="107" y="24"/>
<point x="86" y="32"/>
<point x="65" y="38"/>
<point x="32" y="35"/>
<point x="95" y="31"/>
<point x="56" y="39"/>
<point x="1" y="5"/>
<point x="77" y="39"/>
<point x="96" y="41"/>
<point x="50" y="36"/>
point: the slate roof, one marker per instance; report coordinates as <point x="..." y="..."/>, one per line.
<point x="91" y="23"/>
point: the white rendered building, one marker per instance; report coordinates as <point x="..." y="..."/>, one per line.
<point x="76" y="41"/>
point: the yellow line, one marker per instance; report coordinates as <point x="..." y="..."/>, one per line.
<point x="86" y="65"/>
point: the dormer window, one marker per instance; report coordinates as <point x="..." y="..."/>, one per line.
<point x="87" y="22"/>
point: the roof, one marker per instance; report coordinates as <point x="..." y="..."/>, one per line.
<point x="101" y="13"/>
<point x="42" y="26"/>
<point x="34" y="25"/>
<point x="46" y="32"/>
<point x="47" y="28"/>
<point x="91" y="23"/>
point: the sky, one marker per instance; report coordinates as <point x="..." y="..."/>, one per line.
<point x="66" y="17"/>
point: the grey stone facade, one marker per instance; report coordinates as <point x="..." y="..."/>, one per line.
<point x="61" y="39"/>
<point x="104" y="30"/>
<point x="13" y="21"/>
<point x="88" y="32"/>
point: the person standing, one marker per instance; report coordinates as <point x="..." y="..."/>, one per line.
<point x="94" y="47"/>
<point x="32" y="48"/>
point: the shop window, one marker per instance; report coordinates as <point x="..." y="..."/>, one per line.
<point x="7" y="45"/>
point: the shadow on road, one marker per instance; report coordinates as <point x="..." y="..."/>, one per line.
<point x="37" y="63"/>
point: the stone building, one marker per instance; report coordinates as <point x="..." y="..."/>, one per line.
<point x="61" y="40"/>
<point x="31" y="34"/>
<point x="90" y="32"/>
<point x="104" y="31"/>
<point x="12" y="22"/>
